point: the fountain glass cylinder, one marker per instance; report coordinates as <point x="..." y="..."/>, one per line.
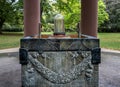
<point x="59" y="25"/>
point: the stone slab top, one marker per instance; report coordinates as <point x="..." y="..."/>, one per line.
<point x="72" y="44"/>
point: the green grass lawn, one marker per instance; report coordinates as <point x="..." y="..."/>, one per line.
<point x="107" y="40"/>
<point x="10" y="40"/>
<point x="110" y="40"/>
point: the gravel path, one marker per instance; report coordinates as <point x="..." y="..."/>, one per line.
<point x="10" y="74"/>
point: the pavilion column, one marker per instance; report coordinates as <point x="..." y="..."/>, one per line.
<point x="89" y="17"/>
<point x="31" y="17"/>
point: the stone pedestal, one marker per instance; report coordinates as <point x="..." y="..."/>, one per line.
<point x="60" y="62"/>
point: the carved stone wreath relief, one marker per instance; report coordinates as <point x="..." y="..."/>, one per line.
<point x="58" y="67"/>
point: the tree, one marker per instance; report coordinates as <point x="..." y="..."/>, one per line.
<point x="102" y="14"/>
<point x="47" y="14"/>
<point x="71" y="9"/>
<point x="7" y="12"/>
<point x="113" y="9"/>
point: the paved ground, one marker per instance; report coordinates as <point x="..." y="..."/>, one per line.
<point x="10" y="74"/>
<point x="109" y="75"/>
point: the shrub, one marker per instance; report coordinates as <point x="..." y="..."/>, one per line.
<point x="14" y="28"/>
<point x="108" y="30"/>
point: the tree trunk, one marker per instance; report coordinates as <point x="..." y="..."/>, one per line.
<point x="0" y="29"/>
<point x="1" y="24"/>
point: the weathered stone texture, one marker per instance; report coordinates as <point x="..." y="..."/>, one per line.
<point x="59" y="63"/>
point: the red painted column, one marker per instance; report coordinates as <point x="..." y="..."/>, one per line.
<point x="31" y="17"/>
<point x="89" y="17"/>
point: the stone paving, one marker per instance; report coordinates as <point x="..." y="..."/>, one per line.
<point x="109" y="70"/>
<point x="10" y="69"/>
<point x="10" y="74"/>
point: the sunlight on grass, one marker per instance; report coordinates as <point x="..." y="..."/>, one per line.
<point x="9" y="41"/>
<point x="110" y="40"/>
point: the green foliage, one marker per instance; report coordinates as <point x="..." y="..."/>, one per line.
<point x="6" y="10"/>
<point x="49" y="27"/>
<point x="102" y="14"/>
<point x="113" y="9"/>
<point x="10" y="13"/>
<point x="71" y="10"/>
<point x="47" y="14"/>
<point x="14" y="28"/>
<point x="6" y="25"/>
<point x="18" y="18"/>
<point x="108" y="30"/>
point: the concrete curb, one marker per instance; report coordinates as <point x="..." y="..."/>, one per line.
<point x="10" y="52"/>
<point x="110" y="52"/>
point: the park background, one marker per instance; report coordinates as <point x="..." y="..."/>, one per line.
<point x="12" y="26"/>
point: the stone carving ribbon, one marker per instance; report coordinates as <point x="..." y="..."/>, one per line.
<point x="60" y="78"/>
